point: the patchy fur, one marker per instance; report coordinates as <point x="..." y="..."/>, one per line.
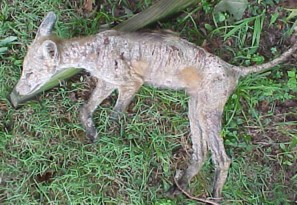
<point x="126" y="61"/>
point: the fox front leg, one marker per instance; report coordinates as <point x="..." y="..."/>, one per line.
<point x="126" y="94"/>
<point x="102" y="91"/>
<point x="128" y="89"/>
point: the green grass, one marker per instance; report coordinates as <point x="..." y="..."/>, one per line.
<point x="45" y="156"/>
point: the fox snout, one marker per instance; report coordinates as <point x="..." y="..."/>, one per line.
<point x="25" y="88"/>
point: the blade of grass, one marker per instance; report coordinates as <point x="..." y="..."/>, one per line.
<point x="258" y="25"/>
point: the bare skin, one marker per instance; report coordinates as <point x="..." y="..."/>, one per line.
<point x="125" y="61"/>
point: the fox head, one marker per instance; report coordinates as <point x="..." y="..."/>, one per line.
<point x="41" y="60"/>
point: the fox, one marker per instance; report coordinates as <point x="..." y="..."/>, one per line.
<point x="125" y="61"/>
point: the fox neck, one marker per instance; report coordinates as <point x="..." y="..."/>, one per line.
<point x="79" y="53"/>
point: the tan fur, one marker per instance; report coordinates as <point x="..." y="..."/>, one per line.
<point x="139" y="67"/>
<point x="191" y="78"/>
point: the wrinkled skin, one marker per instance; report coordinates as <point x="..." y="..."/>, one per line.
<point x="126" y="61"/>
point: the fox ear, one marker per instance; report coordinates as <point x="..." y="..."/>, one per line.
<point x="46" y="27"/>
<point x="50" y="50"/>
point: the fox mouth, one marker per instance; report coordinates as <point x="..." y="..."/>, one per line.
<point x="17" y="98"/>
<point x="25" y="89"/>
<point x="34" y="89"/>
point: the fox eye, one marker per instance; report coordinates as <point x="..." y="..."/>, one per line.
<point x="29" y="74"/>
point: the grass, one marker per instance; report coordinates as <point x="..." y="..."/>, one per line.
<point x="45" y="157"/>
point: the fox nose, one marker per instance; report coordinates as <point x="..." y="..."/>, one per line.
<point x="13" y="99"/>
<point x="17" y="100"/>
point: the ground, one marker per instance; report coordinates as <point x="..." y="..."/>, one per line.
<point x="46" y="158"/>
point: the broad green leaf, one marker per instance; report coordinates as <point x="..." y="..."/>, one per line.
<point x="3" y="49"/>
<point x="7" y="40"/>
<point x="258" y="59"/>
<point x="235" y="7"/>
<point x="282" y="146"/>
<point x="291" y="74"/>
<point x="157" y="11"/>
<point x="208" y="27"/>
<point x="292" y="83"/>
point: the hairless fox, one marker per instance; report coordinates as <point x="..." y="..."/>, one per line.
<point x="126" y="61"/>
